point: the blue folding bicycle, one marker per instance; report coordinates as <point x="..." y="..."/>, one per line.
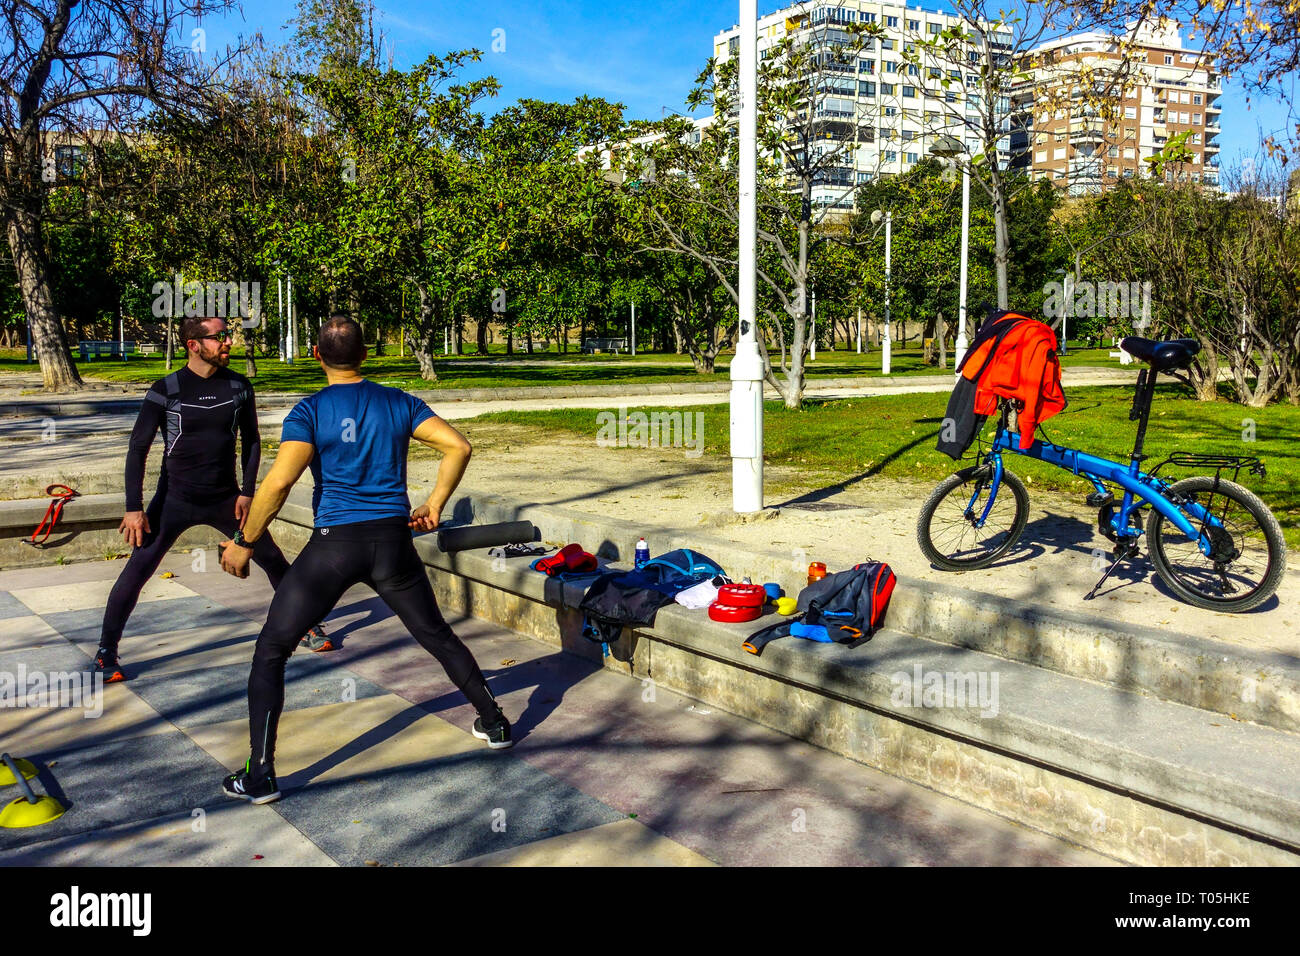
<point x="1213" y="542"/>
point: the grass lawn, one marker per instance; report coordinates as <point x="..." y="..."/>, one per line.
<point x="499" y="371"/>
<point x="839" y="443"/>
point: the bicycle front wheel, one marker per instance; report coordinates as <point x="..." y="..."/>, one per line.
<point x="949" y="530"/>
<point x="1247" y="551"/>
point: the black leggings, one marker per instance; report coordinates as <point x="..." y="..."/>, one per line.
<point x="170" y="516"/>
<point x="380" y="554"/>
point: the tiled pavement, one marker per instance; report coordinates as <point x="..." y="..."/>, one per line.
<point x="378" y="766"/>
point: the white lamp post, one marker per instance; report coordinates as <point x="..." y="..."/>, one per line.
<point x="747" y="366"/>
<point x="888" y="217"/>
<point x="949" y="147"/>
<point x="812" y="355"/>
<point x="633" y="349"/>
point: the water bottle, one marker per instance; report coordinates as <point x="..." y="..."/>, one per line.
<point x="642" y="553"/>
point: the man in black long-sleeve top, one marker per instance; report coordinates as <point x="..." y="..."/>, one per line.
<point x="199" y="408"/>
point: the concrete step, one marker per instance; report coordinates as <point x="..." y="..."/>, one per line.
<point x="1141" y="779"/>
<point x="1182" y="668"/>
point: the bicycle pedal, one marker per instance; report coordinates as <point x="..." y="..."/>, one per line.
<point x="1099" y="499"/>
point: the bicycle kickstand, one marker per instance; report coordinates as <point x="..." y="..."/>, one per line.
<point x="1121" y="553"/>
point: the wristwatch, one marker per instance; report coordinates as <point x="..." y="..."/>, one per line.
<point x="239" y="539"/>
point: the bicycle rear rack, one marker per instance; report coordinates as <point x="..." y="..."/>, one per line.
<point x="1220" y="463"/>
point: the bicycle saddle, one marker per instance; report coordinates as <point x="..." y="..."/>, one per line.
<point x="1162" y="356"/>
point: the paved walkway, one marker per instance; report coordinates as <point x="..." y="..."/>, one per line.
<point x="378" y="766"/>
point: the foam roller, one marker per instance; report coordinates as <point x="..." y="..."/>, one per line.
<point x="485" y="535"/>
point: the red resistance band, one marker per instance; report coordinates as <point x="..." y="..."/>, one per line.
<point x="53" y="510"/>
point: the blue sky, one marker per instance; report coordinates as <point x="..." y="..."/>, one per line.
<point x="642" y="54"/>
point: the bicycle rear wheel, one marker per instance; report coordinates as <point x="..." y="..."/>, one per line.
<point x="1248" y="553"/>
<point x="946" y="528"/>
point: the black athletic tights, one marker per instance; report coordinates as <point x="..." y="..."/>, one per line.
<point x="170" y="516"/>
<point x="380" y="554"/>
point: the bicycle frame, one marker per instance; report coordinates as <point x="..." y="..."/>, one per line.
<point x="1140" y="489"/>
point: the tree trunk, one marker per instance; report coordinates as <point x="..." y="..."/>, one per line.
<point x="528" y="339"/>
<point x="48" y="336"/>
<point x="481" y="336"/>
<point x="1001" y="235"/>
<point x="425" y="342"/>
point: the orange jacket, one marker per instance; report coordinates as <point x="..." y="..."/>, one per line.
<point x="1025" y="367"/>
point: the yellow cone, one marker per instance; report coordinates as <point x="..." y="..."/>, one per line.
<point x="7" y="778"/>
<point x="20" y="813"/>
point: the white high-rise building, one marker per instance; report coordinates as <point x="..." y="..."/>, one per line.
<point x="881" y="113"/>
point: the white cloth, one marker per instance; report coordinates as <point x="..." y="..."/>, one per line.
<point x="698" y="595"/>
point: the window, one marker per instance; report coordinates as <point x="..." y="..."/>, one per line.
<point x="867" y="66"/>
<point x="890" y="111"/>
<point x="1183" y="98"/>
<point x="914" y="26"/>
<point x="950" y="97"/>
<point x="891" y="155"/>
<point x="68" y="160"/>
<point x="1128" y="152"/>
<point x="1169" y="59"/>
<point x="1130" y="112"/>
<point x="1113" y="152"/>
<point x="954" y="74"/>
<point x="1196" y="158"/>
<point x="909" y="91"/>
<point x="864" y="177"/>
<point x="1058" y="153"/>
<point x="1110" y="172"/>
<point x="1182" y="117"/>
<point x="869" y="43"/>
<point x="972" y="80"/>
<point x="934" y="29"/>
<point x="908" y="135"/>
<point x="1040" y="156"/>
<point x="886" y="44"/>
<point x="1196" y="99"/>
<point x="891" y="66"/>
<point x="1196" y="139"/>
<point x="912" y="157"/>
<point x="891" y="21"/>
<point x="866" y="88"/>
<point x="912" y="70"/>
<point x="1196" y="119"/>
<point x="733" y="45"/>
<point x="973" y="56"/>
<point x="931" y="117"/>
<point x="887" y="89"/>
<point x="1158" y="115"/>
<point x="867" y="17"/>
<point x="934" y="73"/>
<point x="1128" y="173"/>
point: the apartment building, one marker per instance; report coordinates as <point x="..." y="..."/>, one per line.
<point x="880" y="114"/>
<point x="1093" y="108"/>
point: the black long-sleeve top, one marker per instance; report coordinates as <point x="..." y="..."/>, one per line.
<point x="199" y="418"/>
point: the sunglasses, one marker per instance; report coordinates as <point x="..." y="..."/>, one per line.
<point x="219" y="336"/>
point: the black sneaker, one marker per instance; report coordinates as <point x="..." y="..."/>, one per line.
<point x="497" y="735"/>
<point x="245" y="786"/>
<point x="106" y="663"/>
<point x="317" y="640"/>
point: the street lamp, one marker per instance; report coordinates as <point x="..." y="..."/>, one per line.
<point x="949" y="147"/>
<point x="747" y="366"/>
<point x="888" y="217"/>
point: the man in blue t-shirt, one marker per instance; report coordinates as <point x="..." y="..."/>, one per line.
<point x="354" y="434"/>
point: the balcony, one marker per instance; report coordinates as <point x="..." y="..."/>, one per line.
<point x="1087" y="135"/>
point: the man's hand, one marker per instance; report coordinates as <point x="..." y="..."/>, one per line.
<point x="134" y="526"/>
<point x="425" y="518"/>
<point x="241" y="509"/>
<point x="234" y="559"/>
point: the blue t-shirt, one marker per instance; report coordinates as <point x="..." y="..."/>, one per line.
<point x="361" y="433"/>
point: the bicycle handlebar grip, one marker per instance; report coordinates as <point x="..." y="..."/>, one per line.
<point x="485" y="535"/>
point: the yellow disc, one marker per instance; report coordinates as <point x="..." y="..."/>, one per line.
<point x="786" y="605"/>
<point x="24" y="766"/>
<point x="19" y="813"/>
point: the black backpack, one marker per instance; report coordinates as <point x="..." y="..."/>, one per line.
<point x="850" y="604"/>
